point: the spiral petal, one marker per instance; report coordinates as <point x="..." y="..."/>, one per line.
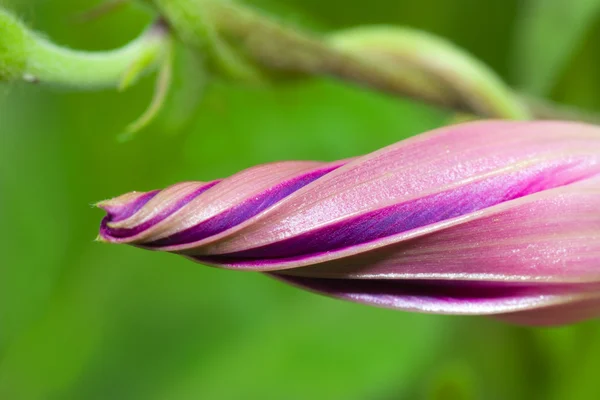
<point x="491" y="217"/>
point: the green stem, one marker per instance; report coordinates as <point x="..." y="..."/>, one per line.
<point x="465" y="84"/>
<point x="434" y="69"/>
<point x="195" y="25"/>
<point x="49" y="63"/>
<point x="28" y="56"/>
<point x="243" y="42"/>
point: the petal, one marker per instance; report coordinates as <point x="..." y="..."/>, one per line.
<point x="136" y="223"/>
<point x="434" y="177"/>
<point x="458" y="297"/>
<point x="191" y="211"/>
<point x="552" y="235"/>
<point x="126" y="205"/>
<point x="558" y="314"/>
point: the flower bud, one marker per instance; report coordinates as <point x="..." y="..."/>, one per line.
<point x="486" y="218"/>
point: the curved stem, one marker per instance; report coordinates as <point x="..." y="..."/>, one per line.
<point x="467" y="85"/>
<point x="452" y="80"/>
<point x="52" y="64"/>
<point x="434" y="69"/>
<point x="31" y="57"/>
<point x="194" y="23"/>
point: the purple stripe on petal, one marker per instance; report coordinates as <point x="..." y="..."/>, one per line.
<point x="136" y="230"/>
<point x="410" y="215"/>
<point x="444" y="296"/>
<point x="240" y="212"/>
<point x="121" y="212"/>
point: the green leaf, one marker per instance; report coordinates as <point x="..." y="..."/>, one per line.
<point x="548" y="33"/>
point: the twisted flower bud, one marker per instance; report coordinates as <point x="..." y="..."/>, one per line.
<point x="486" y="218"/>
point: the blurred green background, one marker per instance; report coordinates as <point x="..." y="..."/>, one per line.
<point x="83" y="320"/>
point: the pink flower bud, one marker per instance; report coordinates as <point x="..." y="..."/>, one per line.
<point x="485" y="218"/>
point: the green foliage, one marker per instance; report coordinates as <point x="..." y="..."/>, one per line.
<point x="82" y="320"/>
<point x="548" y="33"/>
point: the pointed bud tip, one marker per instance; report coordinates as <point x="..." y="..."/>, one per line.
<point x="104" y="204"/>
<point x="117" y="202"/>
<point x="100" y="239"/>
